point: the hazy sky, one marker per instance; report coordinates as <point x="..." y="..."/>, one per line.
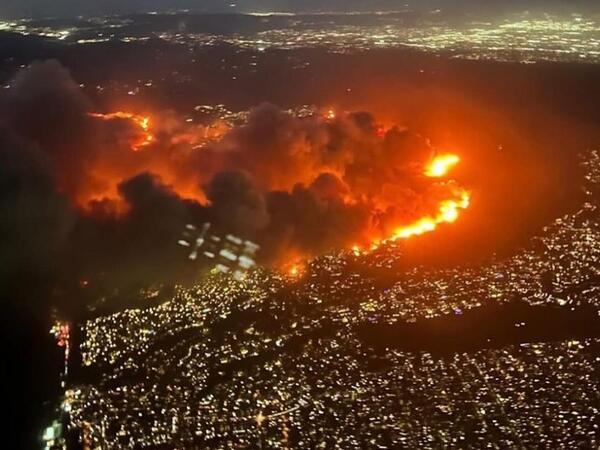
<point x="26" y="8"/>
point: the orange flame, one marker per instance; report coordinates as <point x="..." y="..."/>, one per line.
<point x="143" y="122"/>
<point x="448" y="210"/>
<point x="441" y="165"/>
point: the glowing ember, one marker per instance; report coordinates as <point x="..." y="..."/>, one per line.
<point x="441" y="165"/>
<point x="296" y="269"/>
<point x="143" y="122"/>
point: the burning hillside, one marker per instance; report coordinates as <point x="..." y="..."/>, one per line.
<point x="336" y="160"/>
<point x="298" y="186"/>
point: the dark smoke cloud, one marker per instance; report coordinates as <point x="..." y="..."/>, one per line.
<point x="49" y="148"/>
<point x="326" y="182"/>
<point x="138" y="246"/>
<point x="46" y="107"/>
<point x="34" y="218"/>
<point x="76" y="198"/>
<point x="304" y="222"/>
<point x="237" y="205"/>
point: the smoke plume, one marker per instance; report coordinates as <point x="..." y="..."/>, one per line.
<point x="106" y="195"/>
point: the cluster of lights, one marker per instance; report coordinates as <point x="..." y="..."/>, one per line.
<point x="323" y="388"/>
<point x="62" y="333"/>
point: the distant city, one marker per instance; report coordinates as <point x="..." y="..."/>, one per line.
<point x="524" y="37"/>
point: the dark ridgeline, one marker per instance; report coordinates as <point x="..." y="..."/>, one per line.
<point x="491" y="326"/>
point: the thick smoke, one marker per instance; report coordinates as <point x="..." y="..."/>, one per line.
<point x="325" y="182"/>
<point x="77" y="196"/>
<point x="34" y="218"/>
<point x="237" y="204"/>
<point x="47" y="108"/>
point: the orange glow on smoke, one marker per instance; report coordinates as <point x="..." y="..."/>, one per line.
<point x="441" y="165"/>
<point x="296" y="270"/>
<point x="441" y="200"/>
<point x="143" y="122"/>
<point x="107" y="173"/>
<point x="448" y="210"/>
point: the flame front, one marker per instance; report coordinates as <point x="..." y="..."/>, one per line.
<point x="448" y="210"/>
<point x="143" y="122"/>
<point x="441" y="165"/>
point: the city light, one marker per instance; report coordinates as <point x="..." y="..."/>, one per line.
<point x="302" y="230"/>
<point x="327" y="374"/>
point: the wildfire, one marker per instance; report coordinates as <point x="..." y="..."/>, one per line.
<point x="441" y="165"/>
<point x="448" y="210"/>
<point x="295" y="269"/>
<point x="143" y="122"/>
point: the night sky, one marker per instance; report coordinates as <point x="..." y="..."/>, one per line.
<point x="31" y="8"/>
